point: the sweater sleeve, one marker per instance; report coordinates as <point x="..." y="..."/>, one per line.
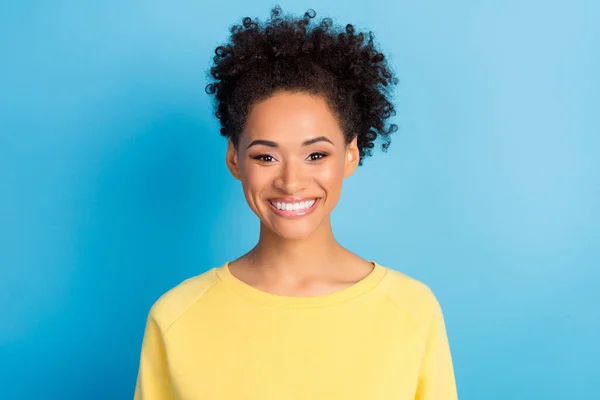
<point x="153" y="381"/>
<point x="436" y="377"/>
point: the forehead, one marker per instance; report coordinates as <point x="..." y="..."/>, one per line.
<point x="291" y="117"/>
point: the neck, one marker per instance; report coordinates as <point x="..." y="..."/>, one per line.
<point x="284" y="259"/>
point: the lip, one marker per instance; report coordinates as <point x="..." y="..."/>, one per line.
<point x="292" y="199"/>
<point x="292" y="213"/>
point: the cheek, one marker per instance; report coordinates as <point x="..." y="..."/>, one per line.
<point x="255" y="180"/>
<point x="331" y="178"/>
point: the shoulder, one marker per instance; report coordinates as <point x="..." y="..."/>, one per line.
<point x="412" y="297"/>
<point x="176" y="301"/>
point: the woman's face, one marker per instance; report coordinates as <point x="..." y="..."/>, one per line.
<point x="292" y="159"/>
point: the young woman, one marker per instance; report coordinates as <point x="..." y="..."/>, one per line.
<point x="298" y="316"/>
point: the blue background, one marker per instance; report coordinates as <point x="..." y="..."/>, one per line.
<point x="113" y="186"/>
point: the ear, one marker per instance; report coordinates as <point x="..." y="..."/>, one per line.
<point x="352" y="157"/>
<point x="231" y="159"/>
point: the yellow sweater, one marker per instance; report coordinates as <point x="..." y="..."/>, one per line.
<point x="216" y="337"/>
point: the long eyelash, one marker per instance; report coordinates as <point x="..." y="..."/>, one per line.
<point x="323" y="155"/>
<point x="261" y="156"/>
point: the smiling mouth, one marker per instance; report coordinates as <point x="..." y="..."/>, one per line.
<point x="293" y="209"/>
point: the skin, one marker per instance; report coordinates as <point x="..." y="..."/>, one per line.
<point x="293" y="146"/>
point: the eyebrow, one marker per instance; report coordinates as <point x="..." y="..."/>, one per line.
<point x="275" y="145"/>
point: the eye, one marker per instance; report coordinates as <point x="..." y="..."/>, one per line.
<point x="317" y="156"/>
<point x="267" y="158"/>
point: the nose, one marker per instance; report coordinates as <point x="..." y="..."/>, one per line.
<point x="290" y="179"/>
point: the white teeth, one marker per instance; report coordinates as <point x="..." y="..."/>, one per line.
<point x="303" y="205"/>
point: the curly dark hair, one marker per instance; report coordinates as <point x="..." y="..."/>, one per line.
<point x="291" y="54"/>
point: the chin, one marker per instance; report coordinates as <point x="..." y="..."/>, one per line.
<point x="292" y="232"/>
